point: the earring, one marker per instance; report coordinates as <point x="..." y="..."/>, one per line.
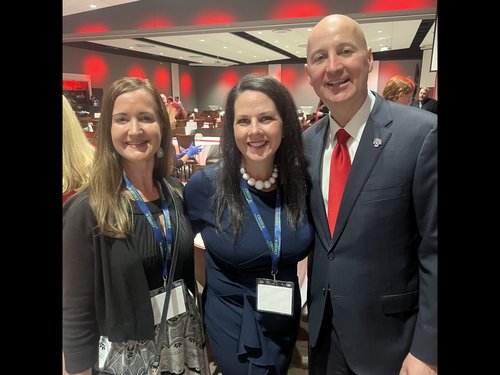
<point x="160" y="153"/>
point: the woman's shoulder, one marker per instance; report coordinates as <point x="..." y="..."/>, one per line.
<point x="202" y="183"/>
<point x="77" y="209"/>
<point x="76" y="201"/>
<point x="173" y="182"/>
<point x="203" y="176"/>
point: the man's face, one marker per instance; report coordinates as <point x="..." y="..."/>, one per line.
<point x="338" y="63"/>
<point x="422" y="94"/>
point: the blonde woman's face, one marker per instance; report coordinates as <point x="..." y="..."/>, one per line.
<point x="135" y="130"/>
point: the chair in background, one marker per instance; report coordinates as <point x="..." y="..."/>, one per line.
<point x="180" y="123"/>
<point x="206" y="132"/>
<point x="184" y="173"/>
<point x="217" y="132"/>
<point x="184" y="141"/>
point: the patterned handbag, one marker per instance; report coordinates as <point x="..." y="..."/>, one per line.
<point x="182" y="349"/>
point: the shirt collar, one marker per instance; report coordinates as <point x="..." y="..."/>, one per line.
<point x="357" y="124"/>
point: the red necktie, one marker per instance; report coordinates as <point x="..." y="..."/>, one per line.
<point x="340" y="165"/>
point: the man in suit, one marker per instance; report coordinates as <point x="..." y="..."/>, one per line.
<point x="373" y="281"/>
<point x="426" y="102"/>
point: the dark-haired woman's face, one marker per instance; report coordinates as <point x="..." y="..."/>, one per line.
<point x="258" y="127"/>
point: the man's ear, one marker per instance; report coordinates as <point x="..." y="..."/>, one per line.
<point x="370" y="60"/>
<point x="307" y="74"/>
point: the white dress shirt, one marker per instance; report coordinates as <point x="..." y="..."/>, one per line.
<point x="355" y="129"/>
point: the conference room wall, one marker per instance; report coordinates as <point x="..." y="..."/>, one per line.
<point x="104" y="68"/>
<point x="203" y="86"/>
<point x="199" y="86"/>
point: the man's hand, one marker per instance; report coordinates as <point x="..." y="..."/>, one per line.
<point x="414" y="366"/>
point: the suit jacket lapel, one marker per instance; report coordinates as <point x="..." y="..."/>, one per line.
<point x="364" y="161"/>
<point x="317" y="201"/>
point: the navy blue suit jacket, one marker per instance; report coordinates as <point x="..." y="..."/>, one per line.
<point x="381" y="264"/>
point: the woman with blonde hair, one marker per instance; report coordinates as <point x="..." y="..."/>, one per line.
<point x="399" y="89"/>
<point x="127" y="246"/>
<point x="78" y="153"/>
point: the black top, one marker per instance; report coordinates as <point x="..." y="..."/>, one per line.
<point x="106" y="281"/>
<point x="429" y="104"/>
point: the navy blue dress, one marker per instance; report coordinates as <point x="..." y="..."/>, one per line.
<point x="243" y="340"/>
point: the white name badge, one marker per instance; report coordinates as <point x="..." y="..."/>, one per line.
<point x="176" y="306"/>
<point x="275" y="296"/>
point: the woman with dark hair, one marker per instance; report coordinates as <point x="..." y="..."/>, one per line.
<point x="125" y="238"/>
<point x="251" y="211"/>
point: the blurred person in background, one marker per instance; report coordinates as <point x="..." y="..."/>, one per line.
<point x="321" y="110"/>
<point x="122" y="238"/>
<point x="426" y="102"/>
<point x="251" y="211"/>
<point x="399" y="89"/>
<point x="180" y="111"/>
<point x="183" y="156"/>
<point x="178" y="101"/>
<point x="172" y="112"/>
<point x="77" y="153"/>
<point x="95" y="105"/>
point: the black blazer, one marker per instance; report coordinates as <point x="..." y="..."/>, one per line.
<point x="381" y="264"/>
<point x="428" y="104"/>
<point x="105" y="288"/>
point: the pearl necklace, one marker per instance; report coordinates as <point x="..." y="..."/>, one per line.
<point x="259" y="184"/>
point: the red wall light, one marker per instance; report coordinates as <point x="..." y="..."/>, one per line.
<point x="186" y="83"/>
<point x="229" y="78"/>
<point x="161" y="79"/>
<point x="388" y="5"/>
<point x="213" y="18"/>
<point x="136" y="71"/>
<point x="289" y="77"/>
<point x="156" y="22"/>
<point x="96" y="67"/>
<point x="92" y="28"/>
<point x="297" y="9"/>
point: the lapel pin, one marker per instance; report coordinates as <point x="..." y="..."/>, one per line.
<point x="377" y="142"/>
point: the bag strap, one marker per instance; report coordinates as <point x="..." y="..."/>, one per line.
<point x="155" y="364"/>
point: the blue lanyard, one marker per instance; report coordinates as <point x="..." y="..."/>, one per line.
<point x="274" y="248"/>
<point x="156" y="230"/>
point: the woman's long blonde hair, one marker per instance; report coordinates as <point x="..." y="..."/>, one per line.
<point x="77" y="152"/>
<point x="110" y="206"/>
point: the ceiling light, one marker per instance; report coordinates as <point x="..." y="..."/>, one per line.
<point x="281" y="31"/>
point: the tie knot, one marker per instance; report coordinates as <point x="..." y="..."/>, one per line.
<point x="342" y="136"/>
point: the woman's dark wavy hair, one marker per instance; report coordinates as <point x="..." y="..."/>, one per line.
<point x="289" y="156"/>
